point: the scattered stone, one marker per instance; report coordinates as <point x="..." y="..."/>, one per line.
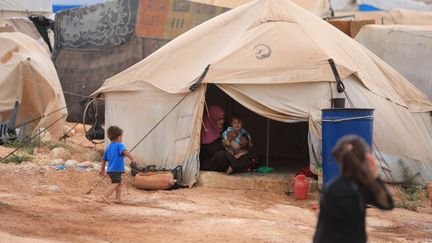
<point x="54" y="188"/>
<point x="42" y="159"/>
<point x="96" y="166"/>
<point x="60" y="153"/>
<point x="78" y="157"/>
<point x="38" y="187"/>
<point x="29" y="167"/>
<point x="45" y="136"/>
<point x="57" y="162"/>
<point x="80" y="129"/>
<point x="85" y="164"/>
<point x="43" y="150"/>
<point x="127" y="170"/>
<point x="92" y="155"/>
<point x="71" y="163"/>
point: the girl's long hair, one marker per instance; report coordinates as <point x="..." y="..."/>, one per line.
<point x="350" y="152"/>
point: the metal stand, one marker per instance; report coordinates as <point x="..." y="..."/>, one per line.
<point x="7" y="130"/>
<point x="268" y="143"/>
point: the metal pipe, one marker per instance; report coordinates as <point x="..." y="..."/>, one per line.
<point x="268" y="143"/>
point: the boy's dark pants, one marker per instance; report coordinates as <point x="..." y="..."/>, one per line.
<point x="115" y="177"/>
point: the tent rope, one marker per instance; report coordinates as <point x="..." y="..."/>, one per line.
<point x="46" y="115"/>
<point x="39" y="133"/>
<point x="192" y="88"/>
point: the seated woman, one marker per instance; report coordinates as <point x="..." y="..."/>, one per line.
<point x="213" y="156"/>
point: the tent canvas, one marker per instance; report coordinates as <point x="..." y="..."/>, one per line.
<point x="406" y="48"/>
<point x="396" y="16"/>
<point x="26" y="26"/>
<point x="28" y="75"/>
<point x="271" y="56"/>
<point x="23" y="8"/>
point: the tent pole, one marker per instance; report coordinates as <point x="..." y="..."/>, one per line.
<point x="268" y="142"/>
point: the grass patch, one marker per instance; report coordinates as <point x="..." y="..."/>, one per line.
<point x="28" y="146"/>
<point x="17" y="159"/>
<point x="24" y="145"/>
<point x="412" y="187"/>
<point x="3" y="205"/>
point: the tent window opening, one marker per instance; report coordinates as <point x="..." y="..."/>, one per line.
<point x="282" y="146"/>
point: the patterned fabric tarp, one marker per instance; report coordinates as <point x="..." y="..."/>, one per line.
<point x="95" y="42"/>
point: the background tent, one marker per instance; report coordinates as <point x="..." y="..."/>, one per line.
<point x="393" y="4"/>
<point x="23" y="8"/>
<point x="94" y="43"/>
<point x="397" y="16"/>
<point x="26" y="26"/>
<point x="408" y="49"/>
<point x="271" y="56"/>
<point x="349" y="5"/>
<point x="59" y="5"/>
<point x="318" y="7"/>
<point x="28" y="75"/>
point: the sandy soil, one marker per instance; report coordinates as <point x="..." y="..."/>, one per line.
<point x="40" y="204"/>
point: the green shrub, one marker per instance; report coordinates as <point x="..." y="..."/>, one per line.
<point x="28" y="146"/>
<point x="17" y="159"/>
<point x="412" y="187"/>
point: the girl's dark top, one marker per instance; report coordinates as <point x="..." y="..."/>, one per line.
<point x="343" y="211"/>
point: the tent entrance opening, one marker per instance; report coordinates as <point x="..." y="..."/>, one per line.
<point x="283" y="146"/>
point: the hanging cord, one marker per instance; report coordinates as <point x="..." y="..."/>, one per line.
<point x="387" y="173"/>
<point x="22" y="145"/>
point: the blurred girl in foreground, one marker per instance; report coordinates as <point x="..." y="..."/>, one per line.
<point x="343" y="201"/>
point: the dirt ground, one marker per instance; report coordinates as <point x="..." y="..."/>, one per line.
<point x="41" y="204"/>
<point x="44" y="205"/>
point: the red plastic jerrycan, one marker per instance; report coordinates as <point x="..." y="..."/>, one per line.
<point x="301" y="187"/>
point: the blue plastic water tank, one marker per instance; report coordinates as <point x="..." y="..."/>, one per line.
<point x="337" y="123"/>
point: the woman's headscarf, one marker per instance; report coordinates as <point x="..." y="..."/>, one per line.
<point x="210" y="131"/>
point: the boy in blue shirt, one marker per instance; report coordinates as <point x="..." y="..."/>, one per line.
<point x="114" y="154"/>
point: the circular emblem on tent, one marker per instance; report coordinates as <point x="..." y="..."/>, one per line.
<point x="262" y="51"/>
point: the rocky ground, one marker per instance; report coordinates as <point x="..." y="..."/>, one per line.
<point x="44" y="200"/>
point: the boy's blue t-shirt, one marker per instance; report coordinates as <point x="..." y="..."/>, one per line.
<point x="113" y="154"/>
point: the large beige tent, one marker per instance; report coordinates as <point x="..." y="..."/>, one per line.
<point x="271" y="56"/>
<point x="406" y="48"/>
<point x="28" y="75"/>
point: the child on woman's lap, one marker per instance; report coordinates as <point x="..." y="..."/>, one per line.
<point x="236" y="139"/>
